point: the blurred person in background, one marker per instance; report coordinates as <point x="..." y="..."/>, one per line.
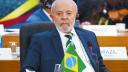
<point x="89" y="11"/>
<point x="117" y="11"/>
<point x="114" y="11"/>
<point x="103" y="12"/>
<point x="42" y="14"/>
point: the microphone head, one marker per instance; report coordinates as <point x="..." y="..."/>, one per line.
<point x="89" y="44"/>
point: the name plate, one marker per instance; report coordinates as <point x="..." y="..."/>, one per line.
<point x="5" y="54"/>
<point x="114" y="52"/>
<point x="102" y="30"/>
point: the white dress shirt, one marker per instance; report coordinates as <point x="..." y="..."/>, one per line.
<point x="79" y="49"/>
<point x="47" y="14"/>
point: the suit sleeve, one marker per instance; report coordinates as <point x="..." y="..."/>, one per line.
<point x="32" y="60"/>
<point x="96" y="51"/>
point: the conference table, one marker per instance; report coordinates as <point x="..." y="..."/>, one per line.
<point x="114" y="65"/>
<point x="120" y="40"/>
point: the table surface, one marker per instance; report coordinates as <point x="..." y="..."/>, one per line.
<point x="112" y="65"/>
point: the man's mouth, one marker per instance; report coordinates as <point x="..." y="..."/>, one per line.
<point x="63" y="24"/>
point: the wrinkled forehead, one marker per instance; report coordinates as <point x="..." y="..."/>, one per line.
<point x="62" y="4"/>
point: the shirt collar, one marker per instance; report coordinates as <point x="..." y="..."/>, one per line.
<point x="63" y="34"/>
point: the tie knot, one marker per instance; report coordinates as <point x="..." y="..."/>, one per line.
<point x="69" y="35"/>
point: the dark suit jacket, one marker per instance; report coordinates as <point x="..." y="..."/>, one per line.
<point x="46" y="50"/>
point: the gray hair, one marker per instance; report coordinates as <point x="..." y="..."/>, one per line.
<point x="62" y="1"/>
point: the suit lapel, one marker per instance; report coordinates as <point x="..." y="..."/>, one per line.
<point x="57" y="45"/>
<point x="84" y="41"/>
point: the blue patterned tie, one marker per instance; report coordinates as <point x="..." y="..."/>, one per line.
<point x="69" y="36"/>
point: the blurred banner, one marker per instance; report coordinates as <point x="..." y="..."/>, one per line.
<point x="23" y="6"/>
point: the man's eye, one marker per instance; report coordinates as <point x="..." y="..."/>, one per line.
<point x="59" y="14"/>
<point x="69" y="13"/>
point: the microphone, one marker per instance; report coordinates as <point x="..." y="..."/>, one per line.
<point x="27" y="70"/>
<point x="90" y="46"/>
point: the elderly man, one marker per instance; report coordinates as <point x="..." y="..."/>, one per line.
<point x="47" y="49"/>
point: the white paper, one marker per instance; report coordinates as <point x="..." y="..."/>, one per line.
<point x="114" y="52"/>
<point x="12" y="31"/>
<point x="1" y="29"/>
<point x="102" y="30"/>
<point x="5" y="54"/>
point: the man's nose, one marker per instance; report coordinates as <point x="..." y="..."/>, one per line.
<point x="64" y="16"/>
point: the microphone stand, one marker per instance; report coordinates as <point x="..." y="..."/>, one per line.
<point x="90" y="46"/>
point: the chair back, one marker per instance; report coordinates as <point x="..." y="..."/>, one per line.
<point x="26" y="33"/>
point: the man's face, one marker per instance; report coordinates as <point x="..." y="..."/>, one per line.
<point x="64" y="17"/>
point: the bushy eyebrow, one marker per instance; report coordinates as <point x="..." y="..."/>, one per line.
<point x="66" y="11"/>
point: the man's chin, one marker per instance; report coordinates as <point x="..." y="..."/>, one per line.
<point x="65" y="30"/>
